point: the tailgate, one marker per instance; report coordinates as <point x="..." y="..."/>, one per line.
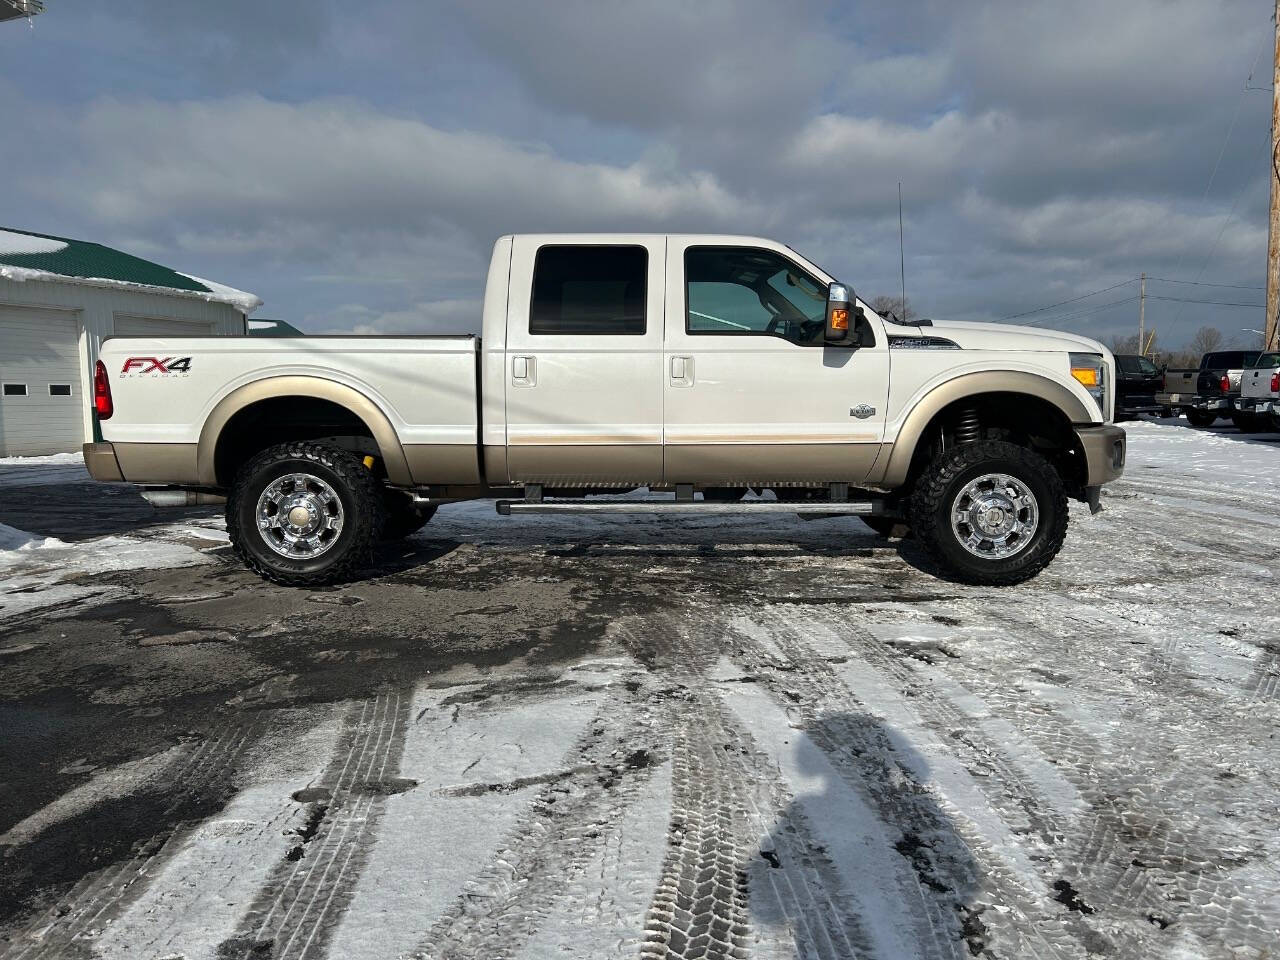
<point x="1257" y="382"/>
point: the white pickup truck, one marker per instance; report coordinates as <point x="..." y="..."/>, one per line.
<point x="1258" y="406"/>
<point x="684" y="364"/>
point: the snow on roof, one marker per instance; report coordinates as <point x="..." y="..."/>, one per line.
<point x="23" y="243"/>
<point x="35" y="256"/>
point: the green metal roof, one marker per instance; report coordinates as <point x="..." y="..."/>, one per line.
<point x="94" y="261"/>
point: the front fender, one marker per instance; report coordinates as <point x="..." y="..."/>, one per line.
<point x="898" y="464"/>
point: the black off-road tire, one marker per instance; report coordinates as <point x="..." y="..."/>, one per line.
<point x="942" y="481"/>
<point x="403" y="517"/>
<point x="358" y="490"/>
<point x="1200" y="418"/>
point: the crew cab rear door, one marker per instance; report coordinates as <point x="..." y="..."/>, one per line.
<point x="752" y="393"/>
<point x="584" y="361"/>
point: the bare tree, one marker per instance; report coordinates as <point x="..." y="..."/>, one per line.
<point x="885" y="305"/>
<point x="1206" y="340"/>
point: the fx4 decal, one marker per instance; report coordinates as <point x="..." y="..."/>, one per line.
<point x="157" y="365"/>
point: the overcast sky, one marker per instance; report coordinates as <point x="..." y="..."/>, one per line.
<point x="353" y="163"/>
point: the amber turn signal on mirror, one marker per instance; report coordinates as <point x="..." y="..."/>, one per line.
<point x="839" y="319"/>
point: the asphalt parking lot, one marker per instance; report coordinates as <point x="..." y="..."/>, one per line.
<point x="623" y="738"/>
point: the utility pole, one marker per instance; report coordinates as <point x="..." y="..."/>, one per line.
<point x="1273" y="235"/>
<point x="1142" y="311"/>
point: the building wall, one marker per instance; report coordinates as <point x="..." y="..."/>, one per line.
<point x="96" y="309"/>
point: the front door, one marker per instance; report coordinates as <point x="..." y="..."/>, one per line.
<point x="753" y="395"/>
<point x="584" y="362"/>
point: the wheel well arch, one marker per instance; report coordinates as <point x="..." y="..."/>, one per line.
<point x="1023" y="408"/>
<point x="281" y="409"/>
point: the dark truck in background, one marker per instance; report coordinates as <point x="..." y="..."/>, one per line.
<point x="1206" y="393"/>
<point x="1138" y="380"/>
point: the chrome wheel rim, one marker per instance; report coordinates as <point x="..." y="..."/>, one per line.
<point x="299" y="516"/>
<point x="995" y="516"/>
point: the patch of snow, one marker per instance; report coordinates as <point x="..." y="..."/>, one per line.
<point x="244" y="302"/>
<point x="11" y="538"/>
<point x="38" y="461"/>
<point x="20" y="243"/>
<point x="219" y="293"/>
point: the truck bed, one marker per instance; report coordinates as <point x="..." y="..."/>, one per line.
<point x="166" y="388"/>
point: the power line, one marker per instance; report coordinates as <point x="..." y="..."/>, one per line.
<point x="1205" y="283"/>
<point x="1088" y="311"/>
<point x="1216" y="303"/>
<point x="1083" y="296"/>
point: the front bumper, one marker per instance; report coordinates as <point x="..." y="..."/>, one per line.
<point x="100" y="460"/>
<point x="1104" y="453"/>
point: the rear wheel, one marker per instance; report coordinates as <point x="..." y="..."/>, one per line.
<point x="990" y="513"/>
<point x="304" y="514"/>
<point x="1201" y="418"/>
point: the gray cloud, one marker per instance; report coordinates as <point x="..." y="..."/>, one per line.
<point x="354" y="167"/>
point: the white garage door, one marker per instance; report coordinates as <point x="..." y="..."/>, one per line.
<point x="151" y="327"/>
<point x="41" y="404"/>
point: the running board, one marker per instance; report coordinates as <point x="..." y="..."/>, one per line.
<point x="821" y="507"/>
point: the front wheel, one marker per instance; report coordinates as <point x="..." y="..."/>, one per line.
<point x="304" y="514"/>
<point x="990" y="513"/>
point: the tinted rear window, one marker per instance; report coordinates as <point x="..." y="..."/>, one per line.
<point x="589" y="290"/>
<point x="1268" y="360"/>
<point x="1229" y="359"/>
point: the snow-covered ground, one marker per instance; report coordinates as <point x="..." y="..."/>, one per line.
<point x="774" y="741"/>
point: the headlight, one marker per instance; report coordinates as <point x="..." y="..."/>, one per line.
<point x="1091" y="373"/>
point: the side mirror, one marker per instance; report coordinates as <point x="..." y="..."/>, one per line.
<point x="840" y="309"/>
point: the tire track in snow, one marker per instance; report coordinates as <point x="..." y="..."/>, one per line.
<point x="567" y="823"/>
<point x="727" y="847"/>
<point x="1123" y="853"/>
<point x="69" y="928"/>
<point x="297" y="910"/>
<point x="731" y="815"/>
<point x="951" y="886"/>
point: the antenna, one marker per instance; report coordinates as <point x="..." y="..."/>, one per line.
<point x="902" y="256"/>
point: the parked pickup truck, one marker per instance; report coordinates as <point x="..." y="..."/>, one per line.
<point x="1258" y="406"/>
<point x="1138" y="380"/>
<point x="683" y="364"/>
<point x="1206" y="393"/>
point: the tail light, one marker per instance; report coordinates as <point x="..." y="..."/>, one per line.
<point x="1275" y="382"/>
<point x="102" y="392"/>
<point x="1225" y="384"/>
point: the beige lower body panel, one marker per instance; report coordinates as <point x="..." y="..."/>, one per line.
<point x="431" y="464"/>
<point x="571" y="465"/>
<point x="762" y="464"/>
<point x="161" y="463"/>
<point x="100" y="461"/>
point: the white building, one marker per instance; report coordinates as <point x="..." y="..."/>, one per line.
<point x="58" y="299"/>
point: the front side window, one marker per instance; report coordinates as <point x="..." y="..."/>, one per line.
<point x="741" y="291"/>
<point x="589" y="291"/>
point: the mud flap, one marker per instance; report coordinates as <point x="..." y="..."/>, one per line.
<point x="1093" y="497"/>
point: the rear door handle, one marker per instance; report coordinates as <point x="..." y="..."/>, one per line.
<point x="524" y="371"/>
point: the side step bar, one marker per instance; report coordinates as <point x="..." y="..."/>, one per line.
<point x="823" y="507"/>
